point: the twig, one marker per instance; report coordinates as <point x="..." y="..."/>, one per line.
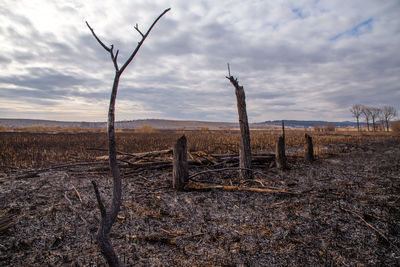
<point x="372" y="227"/>
<point x="99" y="201"/>
<point x="137" y="28"/>
<point x="141" y="42"/>
<point x="97" y="38"/>
<point x="73" y="209"/>
<point x="77" y="193"/>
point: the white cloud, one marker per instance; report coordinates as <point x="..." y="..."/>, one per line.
<point x="296" y="59"/>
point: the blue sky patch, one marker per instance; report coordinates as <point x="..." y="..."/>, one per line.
<point x="360" y="29"/>
<point x="299" y="13"/>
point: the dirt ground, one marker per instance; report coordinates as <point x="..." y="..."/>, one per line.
<point x="343" y="210"/>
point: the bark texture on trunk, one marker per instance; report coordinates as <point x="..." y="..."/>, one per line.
<point x="108" y="218"/>
<point x="245" y="150"/>
<point x="180" y="170"/>
<point x="309" y="149"/>
<point x="280" y="157"/>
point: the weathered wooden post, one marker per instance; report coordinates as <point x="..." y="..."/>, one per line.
<point x="180" y="169"/>
<point x="245" y="151"/>
<point x="309" y="150"/>
<point x="280" y="157"/>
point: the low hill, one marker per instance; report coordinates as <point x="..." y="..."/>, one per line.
<point x="307" y="124"/>
<point x="171" y="124"/>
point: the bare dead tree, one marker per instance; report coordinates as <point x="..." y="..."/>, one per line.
<point x="356" y="111"/>
<point x="388" y="113"/>
<point x="366" y="112"/>
<point x="245" y="151"/>
<point x="108" y="217"/>
<point x="375" y="113"/>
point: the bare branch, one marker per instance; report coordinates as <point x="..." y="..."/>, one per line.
<point x="98" y="40"/>
<point x="116" y="55"/>
<point x="113" y="58"/>
<point x="99" y="201"/>
<point x="137" y="28"/>
<point x="141" y="42"/>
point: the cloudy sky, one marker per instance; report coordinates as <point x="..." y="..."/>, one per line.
<point x="299" y="59"/>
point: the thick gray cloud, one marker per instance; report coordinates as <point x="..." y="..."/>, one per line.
<point x="296" y="59"/>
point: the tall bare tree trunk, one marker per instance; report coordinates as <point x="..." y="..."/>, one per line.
<point x="245" y="150"/>
<point x="108" y="218"/>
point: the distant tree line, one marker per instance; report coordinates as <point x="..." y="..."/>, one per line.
<point x="375" y="118"/>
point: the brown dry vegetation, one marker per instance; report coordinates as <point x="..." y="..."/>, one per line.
<point x="38" y="150"/>
<point x="341" y="211"/>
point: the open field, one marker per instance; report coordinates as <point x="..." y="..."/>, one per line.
<point x="343" y="210"/>
<point x="38" y="150"/>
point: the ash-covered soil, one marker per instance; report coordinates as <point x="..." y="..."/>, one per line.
<point x="343" y="210"/>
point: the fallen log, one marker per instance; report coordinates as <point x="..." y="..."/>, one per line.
<point x="148" y="164"/>
<point x="205" y="186"/>
<point x="35" y="173"/>
<point x="137" y="155"/>
<point x="237" y="155"/>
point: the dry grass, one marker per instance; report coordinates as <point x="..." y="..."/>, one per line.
<point x="38" y="150"/>
<point x="396" y="127"/>
<point x="146" y="129"/>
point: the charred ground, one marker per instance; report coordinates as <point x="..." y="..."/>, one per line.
<point x="342" y="210"/>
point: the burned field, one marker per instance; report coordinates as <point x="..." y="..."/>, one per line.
<point x="341" y="210"/>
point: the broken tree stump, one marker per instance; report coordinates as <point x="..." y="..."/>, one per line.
<point x="180" y="169"/>
<point x="280" y="156"/>
<point x="245" y="151"/>
<point x="309" y="150"/>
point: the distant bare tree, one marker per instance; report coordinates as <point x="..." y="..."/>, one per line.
<point x="375" y="113"/>
<point x="356" y="110"/>
<point x="366" y="112"/>
<point x="108" y="218"/>
<point x="388" y="113"/>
